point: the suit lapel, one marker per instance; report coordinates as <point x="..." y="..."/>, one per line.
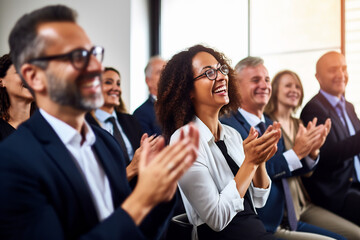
<point x="126" y="129"/>
<point x="337" y="124"/>
<point x="58" y="153"/>
<point x="352" y="115"/>
<point x="240" y="118"/>
<point x="113" y="172"/>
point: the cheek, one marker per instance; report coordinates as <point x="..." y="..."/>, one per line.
<point x="106" y="88"/>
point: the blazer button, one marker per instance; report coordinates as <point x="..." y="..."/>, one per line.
<point x="351" y="179"/>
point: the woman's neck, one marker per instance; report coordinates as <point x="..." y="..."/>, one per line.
<point x="107" y="109"/>
<point x="283" y="113"/>
<point x="19" y="112"/>
<point x="211" y="119"/>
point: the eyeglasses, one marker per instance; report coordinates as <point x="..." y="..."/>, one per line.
<point x="79" y="58"/>
<point x="212" y="73"/>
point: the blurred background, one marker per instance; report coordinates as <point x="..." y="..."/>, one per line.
<point x="287" y="34"/>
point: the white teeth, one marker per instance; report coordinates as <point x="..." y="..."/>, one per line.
<point x="94" y="83"/>
<point x="223" y="88"/>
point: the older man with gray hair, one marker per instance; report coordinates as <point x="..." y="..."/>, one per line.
<point x="145" y="114"/>
<point x="278" y="215"/>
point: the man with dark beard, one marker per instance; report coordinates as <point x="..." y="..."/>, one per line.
<point x="61" y="178"/>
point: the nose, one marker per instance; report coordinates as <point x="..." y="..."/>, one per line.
<point x="263" y="84"/>
<point x="220" y="76"/>
<point x="341" y="73"/>
<point x="115" y="86"/>
<point x="94" y="65"/>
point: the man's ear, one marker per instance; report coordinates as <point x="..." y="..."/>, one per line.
<point x="2" y="84"/>
<point x="34" y="77"/>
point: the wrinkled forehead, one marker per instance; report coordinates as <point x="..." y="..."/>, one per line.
<point x="250" y="72"/>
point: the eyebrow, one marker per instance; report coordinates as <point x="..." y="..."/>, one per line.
<point x="207" y="67"/>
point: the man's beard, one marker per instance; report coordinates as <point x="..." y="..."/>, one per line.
<point x="68" y="93"/>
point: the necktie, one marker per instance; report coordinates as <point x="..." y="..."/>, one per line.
<point x="118" y="137"/>
<point x="233" y="166"/>
<point x="292" y="220"/>
<point x="261" y="125"/>
<point x="342" y="116"/>
<point x="350" y="131"/>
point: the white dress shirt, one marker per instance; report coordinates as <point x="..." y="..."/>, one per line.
<point x="290" y="156"/>
<point x="102" y="116"/>
<point x="86" y="161"/>
<point x="208" y="188"/>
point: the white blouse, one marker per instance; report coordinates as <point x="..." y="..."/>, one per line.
<point x="208" y="188"/>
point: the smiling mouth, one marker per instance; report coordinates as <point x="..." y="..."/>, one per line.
<point x="91" y="84"/>
<point x="221" y="89"/>
<point x="113" y="94"/>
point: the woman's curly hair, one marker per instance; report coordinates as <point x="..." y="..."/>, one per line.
<point x="174" y="107"/>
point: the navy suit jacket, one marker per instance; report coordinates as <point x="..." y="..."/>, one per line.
<point x="146" y="116"/>
<point x="128" y="123"/>
<point x="272" y="213"/>
<point x="330" y="183"/>
<point x="44" y="195"/>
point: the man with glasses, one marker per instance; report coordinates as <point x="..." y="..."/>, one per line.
<point x="61" y="178"/>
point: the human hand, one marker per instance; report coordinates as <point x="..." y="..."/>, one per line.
<point x="133" y="168"/>
<point x="321" y="140"/>
<point x="307" y="137"/>
<point x="259" y="150"/>
<point x="161" y="167"/>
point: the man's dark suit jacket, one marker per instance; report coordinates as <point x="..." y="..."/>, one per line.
<point x="44" y="195"/>
<point x="333" y="177"/>
<point x="272" y="213"/>
<point x="128" y="123"/>
<point x="146" y="116"/>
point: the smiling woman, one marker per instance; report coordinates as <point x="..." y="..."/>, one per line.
<point x="229" y="179"/>
<point x="16" y="101"/>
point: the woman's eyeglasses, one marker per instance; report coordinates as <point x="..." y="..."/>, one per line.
<point x="212" y="73"/>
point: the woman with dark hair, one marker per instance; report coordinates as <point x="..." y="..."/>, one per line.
<point x="229" y="179"/>
<point x="287" y="96"/>
<point x="16" y="101"/>
<point x="124" y="127"/>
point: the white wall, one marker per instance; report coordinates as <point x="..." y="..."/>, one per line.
<point x="139" y="43"/>
<point x="108" y="23"/>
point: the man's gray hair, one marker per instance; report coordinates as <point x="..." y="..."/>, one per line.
<point x="148" y="68"/>
<point x="248" y="62"/>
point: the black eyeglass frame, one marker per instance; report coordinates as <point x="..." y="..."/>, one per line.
<point x="216" y="72"/>
<point x="70" y="56"/>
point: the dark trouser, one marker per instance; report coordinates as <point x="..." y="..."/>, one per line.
<point x="351" y="207"/>
<point x="241" y="227"/>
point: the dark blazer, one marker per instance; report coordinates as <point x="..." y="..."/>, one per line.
<point x="128" y="123"/>
<point x="44" y="195"/>
<point x="5" y="129"/>
<point x="272" y="213"/>
<point x="333" y="177"/>
<point x="145" y="114"/>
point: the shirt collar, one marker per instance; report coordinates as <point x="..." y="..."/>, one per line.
<point x="68" y="134"/>
<point x="205" y="131"/>
<point x="333" y="100"/>
<point x="252" y="119"/>
<point x="103" y="116"/>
